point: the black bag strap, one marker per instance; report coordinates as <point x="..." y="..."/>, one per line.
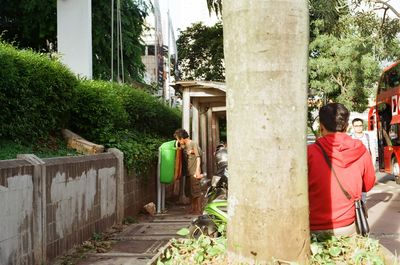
<point x="348" y="196"/>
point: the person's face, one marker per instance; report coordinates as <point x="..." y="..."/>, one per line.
<point x="358" y="127"/>
<point x="181" y="141"/>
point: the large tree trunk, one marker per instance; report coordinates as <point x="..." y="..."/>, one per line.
<point x="266" y="75"/>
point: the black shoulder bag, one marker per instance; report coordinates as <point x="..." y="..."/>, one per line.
<point x="361" y="211"/>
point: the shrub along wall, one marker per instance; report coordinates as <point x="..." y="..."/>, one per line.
<point x="35" y="94"/>
<point x="125" y="118"/>
<point x="39" y="96"/>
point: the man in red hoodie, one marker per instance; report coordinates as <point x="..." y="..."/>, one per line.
<point x="330" y="210"/>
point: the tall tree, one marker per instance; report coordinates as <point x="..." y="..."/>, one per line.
<point x="19" y="23"/>
<point x="266" y="52"/>
<point x="201" y="54"/>
<point x="345" y="62"/>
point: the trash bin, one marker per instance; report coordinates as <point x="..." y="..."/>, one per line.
<point x="167" y="162"/>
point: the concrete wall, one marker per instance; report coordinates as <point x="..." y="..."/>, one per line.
<point x="80" y="199"/>
<point x="138" y="191"/>
<point x="48" y="206"/>
<point x="16" y="212"/>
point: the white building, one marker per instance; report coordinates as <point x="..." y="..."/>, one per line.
<point x="160" y="45"/>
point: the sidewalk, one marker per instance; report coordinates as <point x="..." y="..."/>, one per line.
<point x="383" y="203"/>
<point x="138" y="243"/>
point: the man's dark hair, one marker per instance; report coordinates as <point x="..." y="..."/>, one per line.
<point x="356" y="120"/>
<point x="334" y="117"/>
<point x="181" y="134"/>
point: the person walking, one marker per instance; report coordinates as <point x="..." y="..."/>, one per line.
<point x="364" y="137"/>
<point x="367" y="140"/>
<point x="336" y="162"/>
<point x="193" y="173"/>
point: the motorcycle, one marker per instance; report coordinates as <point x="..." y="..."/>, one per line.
<point x="214" y="218"/>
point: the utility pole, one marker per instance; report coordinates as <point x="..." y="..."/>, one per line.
<point x="266" y="54"/>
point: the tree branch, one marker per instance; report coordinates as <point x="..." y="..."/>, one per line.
<point x="386" y="3"/>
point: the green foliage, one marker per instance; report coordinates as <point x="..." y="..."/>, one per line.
<point x="201" y="53"/>
<point x="140" y="150"/>
<point x="345" y="250"/>
<point x="133" y="14"/>
<point x="149" y="115"/>
<point x="35" y="94"/>
<point x="325" y="249"/>
<point x="327" y="13"/>
<point x="204" y="250"/>
<point x="129" y="220"/>
<point x="97" y="237"/>
<point x="344" y="67"/>
<point x="50" y="147"/>
<point x="125" y="118"/>
<point x="98" y="109"/>
<point x="19" y="23"/>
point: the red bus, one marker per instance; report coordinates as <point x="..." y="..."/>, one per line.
<point x="384" y="117"/>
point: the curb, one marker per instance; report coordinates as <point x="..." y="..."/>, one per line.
<point x="154" y="260"/>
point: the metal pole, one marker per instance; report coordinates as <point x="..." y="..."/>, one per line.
<point x="158" y="182"/>
<point x="112" y="40"/>
<point x="162" y="198"/>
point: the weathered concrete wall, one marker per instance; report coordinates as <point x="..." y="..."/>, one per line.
<point x="16" y="212"/>
<point x="80" y="199"/>
<point x="48" y="206"/>
<point x="139" y="190"/>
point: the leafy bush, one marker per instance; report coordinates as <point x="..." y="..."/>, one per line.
<point x="125" y="118"/>
<point x="39" y="96"/>
<point x="35" y="94"/>
<point x="97" y="110"/>
<point x="147" y="114"/>
<point x="140" y="150"/>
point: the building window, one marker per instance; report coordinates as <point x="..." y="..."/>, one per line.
<point x="151" y="50"/>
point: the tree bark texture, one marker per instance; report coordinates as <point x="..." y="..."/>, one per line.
<point x="266" y="53"/>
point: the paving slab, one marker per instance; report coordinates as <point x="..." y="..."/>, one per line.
<point x="139" y="243"/>
<point x="383" y="203"/>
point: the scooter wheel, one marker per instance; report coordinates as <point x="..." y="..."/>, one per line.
<point x="199" y="228"/>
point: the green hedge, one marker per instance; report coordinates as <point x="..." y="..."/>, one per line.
<point x="97" y="110"/>
<point x="39" y="96"/>
<point x="35" y="94"/>
<point x="126" y="118"/>
<point x="103" y="107"/>
<point x="149" y="115"/>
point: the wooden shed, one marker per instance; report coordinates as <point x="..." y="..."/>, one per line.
<point x="204" y="109"/>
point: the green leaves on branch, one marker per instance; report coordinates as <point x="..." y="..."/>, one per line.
<point x="201" y="53"/>
<point x="345" y="63"/>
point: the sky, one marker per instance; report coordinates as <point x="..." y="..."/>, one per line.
<point x="186" y="12"/>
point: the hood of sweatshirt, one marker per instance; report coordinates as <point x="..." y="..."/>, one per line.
<point x="342" y="149"/>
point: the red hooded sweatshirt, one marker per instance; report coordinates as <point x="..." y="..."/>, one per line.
<point x="329" y="207"/>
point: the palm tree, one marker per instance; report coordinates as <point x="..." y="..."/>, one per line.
<point x="216" y="6"/>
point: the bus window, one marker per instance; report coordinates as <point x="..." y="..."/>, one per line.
<point x="393" y="77"/>
<point x="383" y="86"/>
<point x="394" y="134"/>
